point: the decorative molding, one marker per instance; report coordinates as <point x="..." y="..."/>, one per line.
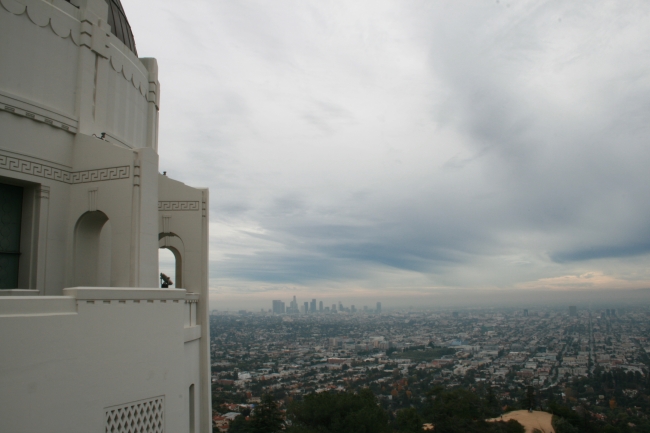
<point x="43" y="118"/>
<point x="43" y="192"/>
<point x="85" y="33"/>
<point x="136" y="171"/>
<point x="166" y="222"/>
<point x="178" y="205"/>
<point x="71" y="177"/>
<point x="43" y="13"/>
<point x="137" y="416"/>
<point x="25" y="107"/>
<point x="92" y="199"/>
<point x="101" y="174"/>
<point x="34" y="168"/>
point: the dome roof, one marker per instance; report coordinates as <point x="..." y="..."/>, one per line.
<point x="117" y="20"/>
<point x="120" y="25"/>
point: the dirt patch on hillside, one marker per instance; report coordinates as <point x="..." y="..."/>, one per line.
<point x="530" y="420"/>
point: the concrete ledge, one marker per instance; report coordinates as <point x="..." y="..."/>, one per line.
<point x="192" y="333"/>
<point x="15" y="306"/>
<point x="123" y="293"/>
<point x="18" y="292"/>
<point x="192" y="297"/>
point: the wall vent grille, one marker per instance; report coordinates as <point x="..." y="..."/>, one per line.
<point x="136" y="417"/>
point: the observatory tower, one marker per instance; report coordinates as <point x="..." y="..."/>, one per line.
<point x="89" y="341"/>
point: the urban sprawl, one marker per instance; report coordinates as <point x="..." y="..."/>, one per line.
<point x="291" y="351"/>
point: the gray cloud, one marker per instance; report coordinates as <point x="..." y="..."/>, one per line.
<point x="369" y="145"/>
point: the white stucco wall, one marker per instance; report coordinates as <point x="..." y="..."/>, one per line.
<point x="68" y="354"/>
<point x="73" y="357"/>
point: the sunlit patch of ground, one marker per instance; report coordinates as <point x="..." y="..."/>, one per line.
<point x="530" y="420"/>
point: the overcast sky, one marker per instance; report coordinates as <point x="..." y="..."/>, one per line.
<point x="403" y="149"/>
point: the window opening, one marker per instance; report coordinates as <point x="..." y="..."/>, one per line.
<point x="167" y="266"/>
<point x="11" y="211"/>
<point x="192" y="420"/>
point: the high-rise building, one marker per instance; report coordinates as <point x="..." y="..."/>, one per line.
<point x="312" y="307"/>
<point x="84" y="213"/>
<point x="278" y="307"/>
<point x="353" y="309"/>
<point x="320" y="306"/>
<point x="333" y="308"/>
<point x="293" y="307"/>
<point x="379" y="307"/>
<point x="525" y="313"/>
<point x="573" y="310"/>
<point x="340" y="306"/>
<point x="306" y="307"/>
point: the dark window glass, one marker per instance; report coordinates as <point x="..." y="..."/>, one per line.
<point x="120" y="25"/>
<point x="11" y="211"/>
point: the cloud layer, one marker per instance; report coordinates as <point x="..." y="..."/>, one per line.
<point x="386" y="146"/>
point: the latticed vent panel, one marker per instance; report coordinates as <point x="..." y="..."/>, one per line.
<point x="143" y="416"/>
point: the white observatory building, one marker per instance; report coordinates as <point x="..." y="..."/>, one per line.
<point x="88" y="340"/>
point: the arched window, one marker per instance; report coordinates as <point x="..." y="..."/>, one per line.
<point x="92" y="250"/>
<point x="167" y="265"/>
<point x="170" y="258"/>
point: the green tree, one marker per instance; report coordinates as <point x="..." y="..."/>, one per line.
<point x="408" y="420"/>
<point x="239" y="425"/>
<point x="459" y="403"/>
<point x="462" y="411"/>
<point x="267" y="417"/>
<point x="529" y="402"/>
<point x="562" y="425"/>
<point x="492" y="407"/>
<point x="344" y="412"/>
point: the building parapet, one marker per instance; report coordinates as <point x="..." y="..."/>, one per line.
<point x="12" y="306"/>
<point x="123" y="294"/>
<point x="192" y="297"/>
<point x="30" y="305"/>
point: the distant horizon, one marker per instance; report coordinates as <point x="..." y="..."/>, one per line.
<point x="449" y="300"/>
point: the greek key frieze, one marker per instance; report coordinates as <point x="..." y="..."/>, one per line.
<point x="178" y="205"/>
<point x="60" y="175"/>
<point x="101" y="174"/>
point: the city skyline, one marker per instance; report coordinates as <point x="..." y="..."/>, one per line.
<point x="279" y="307"/>
<point x="442" y="301"/>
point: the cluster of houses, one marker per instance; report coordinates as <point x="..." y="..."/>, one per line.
<point x="255" y="354"/>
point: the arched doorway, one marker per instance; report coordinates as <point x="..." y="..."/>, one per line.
<point x="167" y="265"/>
<point x="92" y="250"/>
<point x="171" y="243"/>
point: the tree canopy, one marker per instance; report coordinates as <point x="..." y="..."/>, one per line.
<point x="344" y="412"/>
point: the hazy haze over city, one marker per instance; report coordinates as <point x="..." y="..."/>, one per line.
<point x="410" y="152"/>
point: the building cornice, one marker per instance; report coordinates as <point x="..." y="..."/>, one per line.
<point x="38" y="169"/>
<point x="83" y="32"/>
